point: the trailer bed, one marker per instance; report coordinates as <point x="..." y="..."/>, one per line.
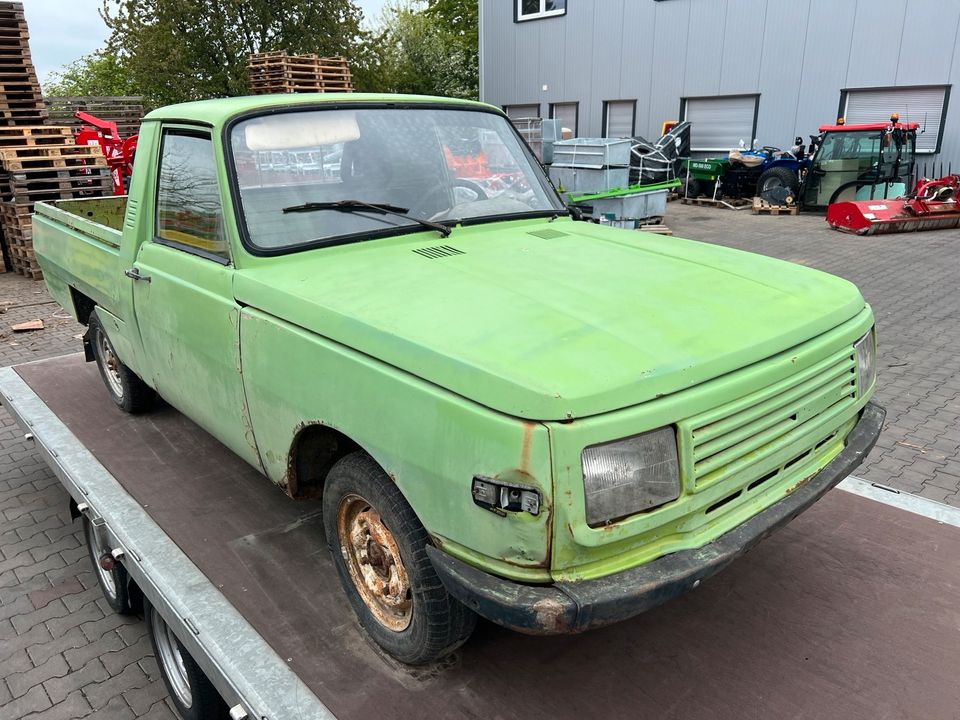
<point x="850" y="611"/>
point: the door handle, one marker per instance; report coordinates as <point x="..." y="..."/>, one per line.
<point x="134" y="274"/>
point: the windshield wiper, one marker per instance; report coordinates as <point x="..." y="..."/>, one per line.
<point x="359" y="205"/>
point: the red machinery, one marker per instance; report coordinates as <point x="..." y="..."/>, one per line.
<point x="119" y="152"/>
<point x="931" y="206"/>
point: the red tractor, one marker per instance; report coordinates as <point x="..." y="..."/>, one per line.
<point x="872" y="161"/>
<point x="119" y="152"/>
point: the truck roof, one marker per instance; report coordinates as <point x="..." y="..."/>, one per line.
<point x="869" y="126"/>
<point x="220" y="110"/>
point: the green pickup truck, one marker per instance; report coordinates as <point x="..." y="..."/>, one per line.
<point x="382" y="303"/>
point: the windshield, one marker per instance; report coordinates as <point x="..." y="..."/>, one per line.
<point x="443" y="165"/>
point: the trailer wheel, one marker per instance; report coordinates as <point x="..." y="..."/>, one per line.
<point x="128" y="391"/>
<point x="379" y="549"/>
<point x="691" y="187"/>
<point x="113" y="582"/>
<point x="191" y="691"/>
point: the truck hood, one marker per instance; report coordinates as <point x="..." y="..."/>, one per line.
<point x="551" y="320"/>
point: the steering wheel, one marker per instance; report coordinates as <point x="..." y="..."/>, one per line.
<point x="426" y="202"/>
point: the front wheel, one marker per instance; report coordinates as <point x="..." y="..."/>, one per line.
<point x="379" y="549"/>
<point x="191" y="691"/>
<point x="128" y="391"/>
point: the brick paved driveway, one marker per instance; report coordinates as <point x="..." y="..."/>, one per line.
<point x="912" y="280"/>
<point x="63" y="654"/>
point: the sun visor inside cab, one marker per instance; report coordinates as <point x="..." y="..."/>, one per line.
<point x="301" y="130"/>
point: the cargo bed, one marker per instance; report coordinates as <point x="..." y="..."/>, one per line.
<point x="850" y="611"/>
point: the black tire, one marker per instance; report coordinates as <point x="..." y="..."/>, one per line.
<point x="128" y="391"/>
<point x="191" y="692"/>
<point x="113" y="583"/>
<point x="691" y="187"/>
<point x="778" y="177"/>
<point x="437" y="623"/>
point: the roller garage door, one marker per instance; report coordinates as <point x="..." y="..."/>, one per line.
<point x="923" y="105"/>
<point x="515" y="112"/>
<point x="619" y="118"/>
<point x="720" y="123"/>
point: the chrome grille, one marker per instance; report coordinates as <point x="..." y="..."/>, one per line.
<point x="748" y="437"/>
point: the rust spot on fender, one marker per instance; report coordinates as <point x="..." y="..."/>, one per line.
<point x="525" y="447"/>
<point x="549" y="615"/>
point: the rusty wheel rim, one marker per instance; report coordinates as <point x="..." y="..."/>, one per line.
<point x="373" y="560"/>
<point x="111" y="363"/>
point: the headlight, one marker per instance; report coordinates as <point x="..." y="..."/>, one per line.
<point x="866" y="348"/>
<point x="628" y="476"/>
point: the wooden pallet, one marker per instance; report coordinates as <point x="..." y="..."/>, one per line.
<point x="658" y="228"/>
<point x="14" y="159"/>
<point x="36" y="135"/>
<point x="762" y="207"/>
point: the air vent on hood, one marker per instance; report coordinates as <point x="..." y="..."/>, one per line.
<point x="548" y="234"/>
<point x="438" y="251"/>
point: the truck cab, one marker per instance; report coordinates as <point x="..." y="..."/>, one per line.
<point x="504" y="411"/>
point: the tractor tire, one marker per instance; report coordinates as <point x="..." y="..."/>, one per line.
<point x="691" y="187"/>
<point x="777" y="177"/>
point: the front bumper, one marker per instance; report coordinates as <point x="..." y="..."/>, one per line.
<point x="571" y="607"/>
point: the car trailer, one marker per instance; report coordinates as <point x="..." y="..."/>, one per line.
<point x="849" y="611"/>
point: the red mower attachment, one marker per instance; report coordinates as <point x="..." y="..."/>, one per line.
<point x="118" y="152"/>
<point x="931" y="206"/>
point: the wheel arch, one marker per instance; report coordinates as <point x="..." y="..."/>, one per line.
<point x="83" y="305"/>
<point x="315" y="449"/>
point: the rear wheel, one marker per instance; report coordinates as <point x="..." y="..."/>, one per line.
<point x="191" y="691"/>
<point x="113" y="582"/>
<point x="128" y="391"/>
<point x="779" y="177"/>
<point x="379" y="549"/>
<point x="691" y="187"/>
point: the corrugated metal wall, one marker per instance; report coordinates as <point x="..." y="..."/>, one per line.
<point x="798" y="55"/>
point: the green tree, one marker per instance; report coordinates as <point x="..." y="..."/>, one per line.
<point x="430" y="48"/>
<point x="178" y="50"/>
<point x="99" y="73"/>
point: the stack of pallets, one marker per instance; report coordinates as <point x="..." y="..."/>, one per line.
<point x="278" y="72"/>
<point x="125" y="111"/>
<point x="42" y="163"/>
<point x="20" y="100"/>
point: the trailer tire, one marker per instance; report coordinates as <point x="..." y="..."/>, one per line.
<point x="113" y="583"/>
<point x="129" y="392"/>
<point x="190" y="690"/>
<point x="691" y="187"/>
<point x="398" y="597"/>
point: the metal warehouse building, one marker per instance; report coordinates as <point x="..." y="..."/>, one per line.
<point x="739" y="69"/>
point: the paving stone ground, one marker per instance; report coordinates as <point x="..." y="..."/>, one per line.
<point x="912" y="281"/>
<point x="64" y="654"/>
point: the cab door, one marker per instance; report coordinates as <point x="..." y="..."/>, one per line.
<point x="183" y="294"/>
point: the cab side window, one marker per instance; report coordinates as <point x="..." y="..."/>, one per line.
<point x="189" y="213"/>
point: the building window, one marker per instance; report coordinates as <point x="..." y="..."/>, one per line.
<point x="619" y="118"/>
<point x="516" y="112"/>
<point x="536" y="9"/>
<point x="721" y="123"/>
<point x="568" y="115"/>
<point x="189" y="214"/>
<point x="926" y="106"/>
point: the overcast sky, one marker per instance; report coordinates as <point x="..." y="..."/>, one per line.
<point x="63" y="30"/>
